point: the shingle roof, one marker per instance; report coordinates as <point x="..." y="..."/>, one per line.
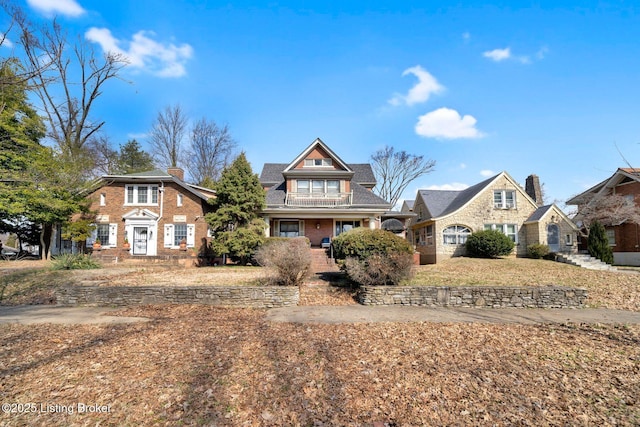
<point x="444" y="202"/>
<point x="539" y="213"/>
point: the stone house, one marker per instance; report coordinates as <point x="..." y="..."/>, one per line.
<point x="444" y="218"/>
<point x="624" y="238"/>
<point x="154" y="211"/>
<point x="318" y="195"/>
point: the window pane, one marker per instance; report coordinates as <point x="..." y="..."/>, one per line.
<point x="303" y="186"/>
<point x="129" y="194"/>
<point x="154" y="194"/>
<point x="333" y="186"/>
<point x="497" y="199"/>
<point x="318" y="186"/>
<point x="142" y="194"/>
<point x="510" y="199"/>
<point x="102" y="233"/>
<point x="289" y="229"/>
<point x="179" y="233"/>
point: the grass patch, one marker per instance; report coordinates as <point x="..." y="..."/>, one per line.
<point x="31" y="286"/>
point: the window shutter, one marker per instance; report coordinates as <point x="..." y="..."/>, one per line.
<point x="191" y="235"/>
<point x="168" y="235"/>
<point x="113" y="235"/>
<point x="276" y="228"/>
<point x="93" y="236"/>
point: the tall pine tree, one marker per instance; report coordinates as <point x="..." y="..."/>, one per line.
<point x="236" y="227"/>
<point x="598" y="243"/>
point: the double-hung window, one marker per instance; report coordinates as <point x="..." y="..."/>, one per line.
<point x="179" y="233"/>
<point x="317" y="162"/>
<point x="504" y="199"/>
<point x="141" y="195"/>
<point x="455" y="235"/>
<point x="102" y="233"/>
<point x="511" y="230"/>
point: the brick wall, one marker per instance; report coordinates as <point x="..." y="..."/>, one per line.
<point x="469" y="296"/>
<point x="225" y="296"/>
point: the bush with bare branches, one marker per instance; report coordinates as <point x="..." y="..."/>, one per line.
<point x="289" y="260"/>
<point x="377" y="269"/>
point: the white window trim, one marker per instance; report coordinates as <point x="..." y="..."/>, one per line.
<point x="457" y="235"/>
<point x="502" y="228"/>
<point x="324" y="163"/>
<point x="103" y="199"/>
<point x="135" y="195"/>
<point x="503" y="199"/>
<point x="169" y="236"/>
<point x="113" y="235"/>
<point x="179" y="199"/>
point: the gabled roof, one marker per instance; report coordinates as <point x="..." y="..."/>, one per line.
<point x="441" y="203"/>
<point x="407" y="205"/>
<point x="155" y="176"/>
<point x="619" y="176"/>
<point x="362" y="174"/>
<point x="315" y="144"/>
<point x="542" y="211"/>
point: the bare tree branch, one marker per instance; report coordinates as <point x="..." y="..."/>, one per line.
<point x="211" y="149"/>
<point x="608" y="210"/>
<point x="396" y="170"/>
<point x="167" y="135"/>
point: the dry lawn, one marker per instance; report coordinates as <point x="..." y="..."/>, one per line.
<point x="200" y="365"/>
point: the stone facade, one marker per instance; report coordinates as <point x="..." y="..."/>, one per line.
<point x="225" y="296"/>
<point x="469" y="296"/>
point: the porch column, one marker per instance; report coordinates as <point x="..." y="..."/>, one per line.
<point x="267" y="229"/>
<point x="372" y="223"/>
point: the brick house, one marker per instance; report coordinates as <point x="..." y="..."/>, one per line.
<point x="153" y="210"/>
<point x="624" y="238"/>
<point x="444" y="219"/>
<point x="319" y="196"/>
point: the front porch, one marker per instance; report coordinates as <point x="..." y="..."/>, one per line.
<point x="315" y="229"/>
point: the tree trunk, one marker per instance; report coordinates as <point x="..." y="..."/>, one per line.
<point x="45" y="241"/>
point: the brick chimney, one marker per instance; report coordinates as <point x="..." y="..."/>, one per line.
<point x="177" y="172"/>
<point x="533" y="189"/>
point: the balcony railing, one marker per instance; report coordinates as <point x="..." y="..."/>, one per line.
<point x="318" y="200"/>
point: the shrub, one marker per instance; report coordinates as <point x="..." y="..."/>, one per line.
<point x="598" y="243"/>
<point x="362" y="243"/>
<point x="290" y="259"/>
<point x="489" y="244"/>
<point x="378" y="269"/>
<point x="74" y="262"/>
<point x="538" y="251"/>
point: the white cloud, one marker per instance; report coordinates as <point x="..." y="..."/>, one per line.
<point x="163" y="60"/>
<point x="542" y="52"/>
<point x="498" y="54"/>
<point x="445" y="123"/>
<point x="463" y="165"/>
<point x="427" y="85"/>
<point x="54" y="7"/>
<point x="487" y="173"/>
<point x="456" y="186"/>
<point x="466" y="36"/>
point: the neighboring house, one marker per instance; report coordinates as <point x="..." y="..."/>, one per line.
<point x="446" y="218"/>
<point x="318" y="195"/>
<point x="624" y="238"/>
<point x="153" y="210"/>
<point x="399" y="222"/>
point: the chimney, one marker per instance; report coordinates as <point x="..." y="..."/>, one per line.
<point x="177" y="172"/>
<point x="533" y="189"/>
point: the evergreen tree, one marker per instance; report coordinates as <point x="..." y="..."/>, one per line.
<point x="598" y="243"/>
<point x="237" y="230"/>
<point x="133" y="159"/>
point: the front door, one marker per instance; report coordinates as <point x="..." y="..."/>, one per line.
<point x="553" y="238"/>
<point x="140" y="240"/>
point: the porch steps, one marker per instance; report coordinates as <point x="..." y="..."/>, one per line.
<point x="321" y="263"/>
<point x="585" y="261"/>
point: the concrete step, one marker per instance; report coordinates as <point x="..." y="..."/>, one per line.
<point x="585" y="261"/>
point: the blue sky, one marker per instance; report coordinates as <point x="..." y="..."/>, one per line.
<point x="550" y="88"/>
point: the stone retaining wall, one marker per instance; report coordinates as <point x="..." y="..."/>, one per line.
<point x="470" y="296"/>
<point x="226" y="296"/>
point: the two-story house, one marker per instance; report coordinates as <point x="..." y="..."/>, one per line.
<point x="319" y="196"/>
<point x="623" y="234"/>
<point x="154" y="211"/>
<point x="446" y="218"/>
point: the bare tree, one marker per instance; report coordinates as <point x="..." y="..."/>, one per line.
<point x="211" y="149"/>
<point x="68" y="79"/>
<point x="167" y="135"/>
<point x="609" y="210"/>
<point x="395" y="170"/>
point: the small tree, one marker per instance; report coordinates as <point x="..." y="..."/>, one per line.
<point x="598" y="243"/>
<point x="237" y="230"/>
<point x="489" y="244"/>
<point x="290" y="259"/>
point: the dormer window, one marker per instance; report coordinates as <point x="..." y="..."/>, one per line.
<point x="504" y="199"/>
<point x="309" y="163"/>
